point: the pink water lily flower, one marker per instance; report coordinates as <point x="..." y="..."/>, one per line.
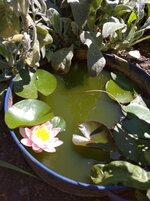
<point x="41" y="137"/>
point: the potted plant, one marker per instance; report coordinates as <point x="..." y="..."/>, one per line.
<point x="47" y="53"/>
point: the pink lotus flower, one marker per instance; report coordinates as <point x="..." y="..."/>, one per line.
<point x="41" y="137"/>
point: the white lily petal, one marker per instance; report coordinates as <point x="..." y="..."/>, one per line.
<point x="80" y="140"/>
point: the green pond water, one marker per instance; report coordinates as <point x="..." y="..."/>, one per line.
<point x="72" y="103"/>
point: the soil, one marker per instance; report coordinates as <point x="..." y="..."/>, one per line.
<point x="16" y="186"/>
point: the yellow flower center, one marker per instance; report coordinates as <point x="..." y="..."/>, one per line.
<point x="42" y="133"/>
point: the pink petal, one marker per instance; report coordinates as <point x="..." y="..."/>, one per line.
<point x="28" y="132"/>
<point x="48" y="125"/>
<point x="55" y="131"/>
<point x="56" y="143"/>
<point x="35" y="147"/>
<point x="22" y="132"/>
<point x="50" y="149"/>
<point x="27" y="142"/>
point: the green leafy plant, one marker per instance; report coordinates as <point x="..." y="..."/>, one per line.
<point x="59" y="31"/>
<point x="127" y="141"/>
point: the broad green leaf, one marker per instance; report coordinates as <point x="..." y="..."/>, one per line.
<point x="25" y="84"/>
<point x="131" y="148"/>
<point x="27" y="113"/>
<point x="121" y="95"/>
<point x="28" y="84"/>
<point x="61" y="59"/>
<point x="46" y="82"/>
<point x="59" y="122"/>
<point x="139" y="110"/>
<point x="96" y="135"/>
<point x="137" y="128"/>
<point x="121" y="172"/>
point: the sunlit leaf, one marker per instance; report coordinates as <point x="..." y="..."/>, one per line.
<point x="58" y="122"/>
<point x="121" y="95"/>
<point x="28" y="84"/>
<point x="25" y="84"/>
<point x="137" y="128"/>
<point x="95" y="59"/>
<point x="61" y="59"/>
<point x="46" y="82"/>
<point x="27" y="113"/>
<point x="121" y="172"/>
<point x="139" y="110"/>
<point x="95" y="135"/>
<point x="110" y="27"/>
<point x="131" y="148"/>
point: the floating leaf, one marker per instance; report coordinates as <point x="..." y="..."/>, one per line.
<point x="131" y="148"/>
<point x="137" y="128"/>
<point x="46" y="82"/>
<point x="25" y="84"/>
<point x="96" y="135"/>
<point x="28" y="84"/>
<point x="121" y="172"/>
<point x="121" y="95"/>
<point x="59" y="122"/>
<point x="27" y="113"/>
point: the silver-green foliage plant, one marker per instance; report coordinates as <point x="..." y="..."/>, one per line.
<point x="101" y="26"/>
<point x="23" y="37"/>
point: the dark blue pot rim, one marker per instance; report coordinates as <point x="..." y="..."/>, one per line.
<point x="49" y="171"/>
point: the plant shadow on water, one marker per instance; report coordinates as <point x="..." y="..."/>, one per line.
<point x="72" y="103"/>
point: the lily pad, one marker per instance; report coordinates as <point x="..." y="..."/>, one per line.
<point x="121" y="95"/>
<point x="27" y="113"/>
<point x="59" y="122"/>
<point x="27" y="84"/>
<point x="96" y="135"/>
<point x="46" y="82"/>
<point x="121" y="172"/>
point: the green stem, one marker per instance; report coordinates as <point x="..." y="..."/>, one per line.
<point x="93" y="91"/>
<point x="140" y="40"/>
